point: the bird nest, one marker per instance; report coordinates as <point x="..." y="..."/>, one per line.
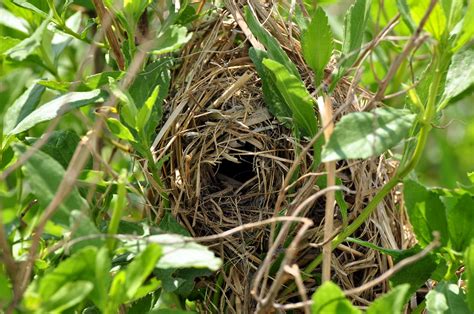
<point x="226" y="158"/>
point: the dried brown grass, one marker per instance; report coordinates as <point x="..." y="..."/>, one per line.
<point x="227" y="157"/>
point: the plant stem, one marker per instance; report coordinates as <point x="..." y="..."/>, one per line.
<point x="428" y="115"/>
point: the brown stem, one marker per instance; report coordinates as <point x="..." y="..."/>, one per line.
<point x="107" y="21"/>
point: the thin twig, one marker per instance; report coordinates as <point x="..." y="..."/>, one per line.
<point x="400" y="58"/>
<point x="392" y="271"/>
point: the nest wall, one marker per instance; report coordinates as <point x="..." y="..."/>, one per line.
<point x="227" y="157"/>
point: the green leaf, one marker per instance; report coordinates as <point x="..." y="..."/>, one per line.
<point x="467" y="29"/>
<point x="41" y="10"/>
<point x="85" y="230"/>
<point x="317" y="44"/>
<point x="119" y="130"/>
<point x="366" y="134"/>
<point x="275" y="52"/>
<point x="460" y="217"/>
<point x="452" y="10"/>
<point x="179" y="252"/>
<point x="7" y="42"/>
<point x="91" y="82"/>
<point x="44" y="175"/>
<point x="68" y="295"/>
<point x="370" y="245"/>
<point x="171" y="39"/>
<point x="446" y="298"/>
<point x="355" y="23"/>
<point x="391" y="302"/>
<point x="155" y="74"/>
<point x="78" y="267"/>
<point x="460" y="74"/>
<point x="61" y="145"/>
<point x="469" y="265"/>
<point x="6" y="291"/>
<point x="415" y="274"/>
<point x="329" y="299"/>
<point x="426" y="212"/>
<point x="146" y="110"/>
<point x="10" y="20"/>
<point x="57" y="107"/>
<point x="103" y="264"/>
<point x="169" y="224"/>
<point x="296" y="97"/>
<point x="272" y="97"/>
<point x="436" y="24"/>
<point x="140" y="268"/>
<point x="22" y="107"/>
<point x="27" y="46"/>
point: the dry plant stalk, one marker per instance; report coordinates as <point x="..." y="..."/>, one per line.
<point x="325" y="111"/>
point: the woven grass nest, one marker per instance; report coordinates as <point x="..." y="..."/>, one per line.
<point x="227" y="157"/>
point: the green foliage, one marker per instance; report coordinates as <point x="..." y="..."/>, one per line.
<point x="329" y="299"/>
<point x="317" y="44"/>
<point x="94" y="249"/>
<point x="446" y="298"/>
<point x="57" y="107"/>
<point x="366" y="134"/>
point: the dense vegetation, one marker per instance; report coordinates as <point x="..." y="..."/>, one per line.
<point x="90" y="221"/>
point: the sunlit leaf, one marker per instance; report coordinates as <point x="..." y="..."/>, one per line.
<point x="171" y="39"/>
<point x="366" y="134"/>
<point x="446" y="298"/>
<point x="57" y="107"/>
<point x="392" y="302"/>
<point x="329" y="299"/>
<point x="68" y="295"/>
<point x="460" y="74"/>
<point x="460" y="216"/>
<point x="274" y="50"/>
<point x="436" y="24"/>
<point x="355" y="23"/>
<point x="22" y="107"/>
<point x="296" y="97"/>
<point x="317" y="43"/>
<point x="27" y="46"/>
<point x="467" y="30"/>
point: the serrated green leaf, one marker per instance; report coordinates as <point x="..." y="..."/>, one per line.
<point x="460" y="217"/>
<point x="446" y="298"/>
<point x="460" y="74"/>
<point x="44" y="175"/>
<point x="173" y="38"/>
<point x="436" y="23"/>
<point x="355" y="23"/>
<point x="57" y="107"/>
<point x="426" y="212"/>
<point x="27" y="46"/>
<point x="367" y="134"/>
<point x="469" y="265"/>
<point x="296" y="97"/>
<point x="391" y="302"/>
<point x="274" y="50"/>
<point x="317" y="44"/>
<point x="329" y="299"/>
<point x="22" y="107"/>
